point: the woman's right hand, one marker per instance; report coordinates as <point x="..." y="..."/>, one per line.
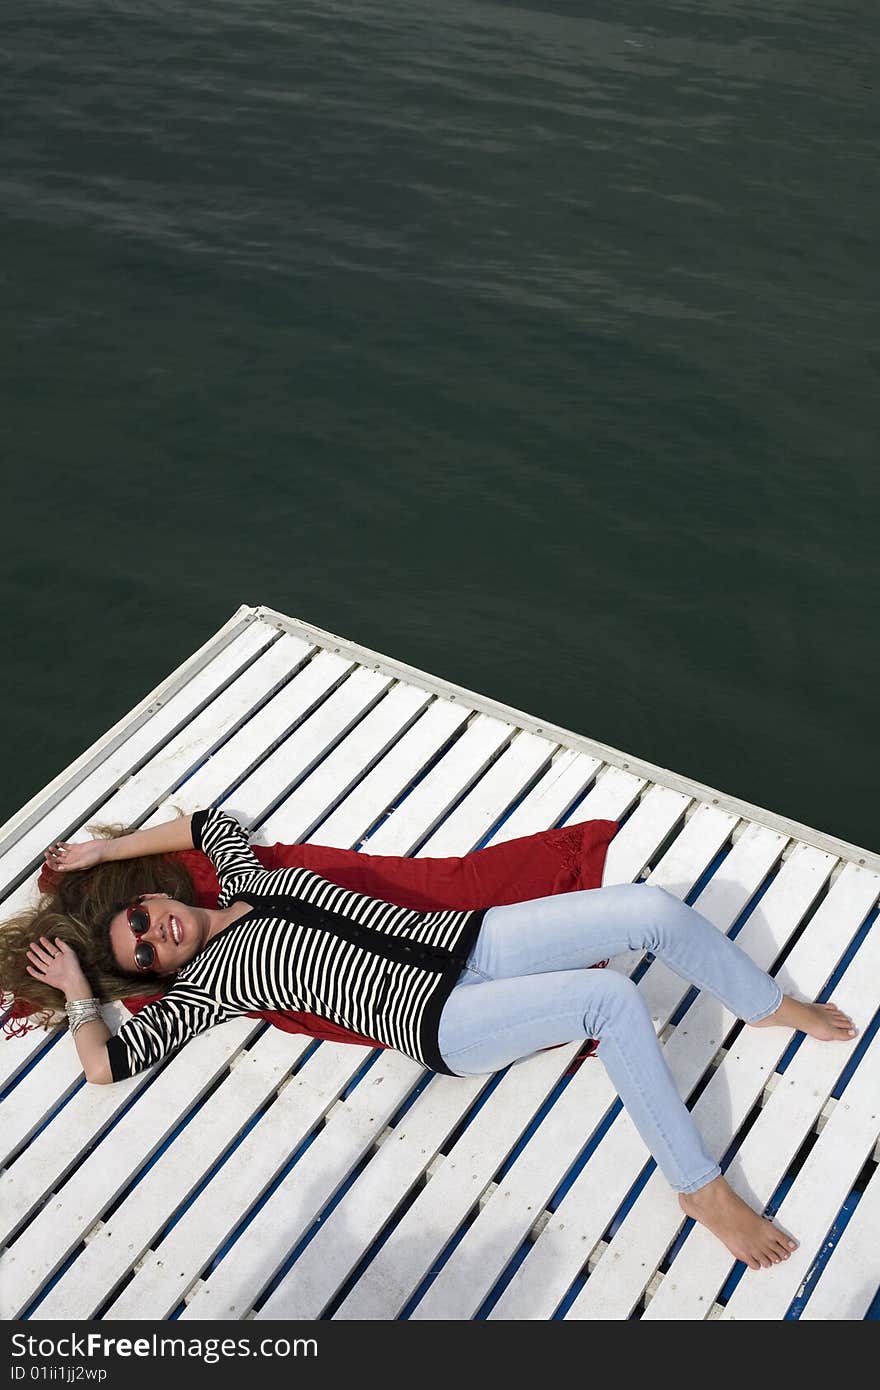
<point x="56" y="964"/>
<point x="65" y="855"/>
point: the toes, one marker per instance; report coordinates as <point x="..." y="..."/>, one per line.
<point x="838" y="1015"/>
<point x="840" y="1021"/>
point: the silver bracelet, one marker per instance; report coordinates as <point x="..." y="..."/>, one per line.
<point x="80" y="1011"/>
<point x="77" y="1020"/>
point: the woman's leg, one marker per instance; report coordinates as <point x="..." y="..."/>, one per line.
<point x="562" y="934"/>
<point x="485" y="1026"/>
<point x="569" y="931"/>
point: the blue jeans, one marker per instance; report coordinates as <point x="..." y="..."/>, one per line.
<point x="525" y="987"/>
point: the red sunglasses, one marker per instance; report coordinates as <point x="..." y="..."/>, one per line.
<point x="139" y="921"/>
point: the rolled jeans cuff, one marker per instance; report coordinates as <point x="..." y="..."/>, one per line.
<point x="771" y="1008"/>
<point x="714" y="1172"/>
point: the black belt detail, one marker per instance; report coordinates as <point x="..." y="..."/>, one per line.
<point x="397" y="948"/>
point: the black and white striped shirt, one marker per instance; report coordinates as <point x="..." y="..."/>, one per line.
<point x="382" y="971"/>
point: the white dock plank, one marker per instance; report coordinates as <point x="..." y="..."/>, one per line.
<point x="87" y="799"/>
<point x="754" y="855"/>
<point x="380" y="789"/>
<point x="309" y="684"/>
<point x="637" y="842"/>
<point x="40" y="804"/>
<point x="566" y="779"/>
<point x="391" y="1175"/>
<point x="183" y="754"/>
<point x="849" y="1283"/>
<point x="440" y="1208"/>
<point x="559" y="1254"/>
<point x="704" y="834"/>
<point x="505" y="781"/>
<point x="611" y="797"/>
<point x="296" y="818"/>
<point x="814" y="1200"/>
<point x="510" y="1213"/>
<point x="59" y="1227"/>
<point x="120" y="1242"/>
<point x="355" y="1125"/>
<point x="310" y="742"/>
<point x="27" y="1183"/>
<point x="703" y="1264"/>
<point x="432" y="798"/>
<point x="17" y="1053"/>
<point x="170" y="1270"/>
<point x="29" y="1106"/>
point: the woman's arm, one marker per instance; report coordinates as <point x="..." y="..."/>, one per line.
<point x="56" y="965"/>
<point x="171" y="835"/>
<point x="90" y="1040"/>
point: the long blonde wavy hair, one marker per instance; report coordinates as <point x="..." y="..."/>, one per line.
<point x="78" y="911"/>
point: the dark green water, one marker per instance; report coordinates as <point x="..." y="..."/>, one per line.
<point x="533" y="344"/>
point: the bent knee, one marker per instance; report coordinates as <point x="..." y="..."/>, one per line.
<point x="619" y="998"/>
<point x="665" y="916"/>
<point x="660" y="900"/>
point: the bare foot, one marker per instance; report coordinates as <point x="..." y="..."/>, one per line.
<point x="747" y="1235"/>
<point x="823" y="1021"/>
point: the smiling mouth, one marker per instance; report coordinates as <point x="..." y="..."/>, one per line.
<point x="176" y="931"/>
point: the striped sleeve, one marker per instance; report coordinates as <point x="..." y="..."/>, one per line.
<point x="227" y="845"/>
<point x="161" y="1028"/>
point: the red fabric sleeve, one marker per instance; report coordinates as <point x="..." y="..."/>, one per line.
<point x="533" y="866"/>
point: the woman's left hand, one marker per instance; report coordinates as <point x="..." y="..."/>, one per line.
<point x="65" y="855"/>
<point x="56" y="964"/>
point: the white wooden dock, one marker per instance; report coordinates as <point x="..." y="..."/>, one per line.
<point x="262" y="1175"/>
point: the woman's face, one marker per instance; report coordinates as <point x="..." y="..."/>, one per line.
<point x="175" y="933"/>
